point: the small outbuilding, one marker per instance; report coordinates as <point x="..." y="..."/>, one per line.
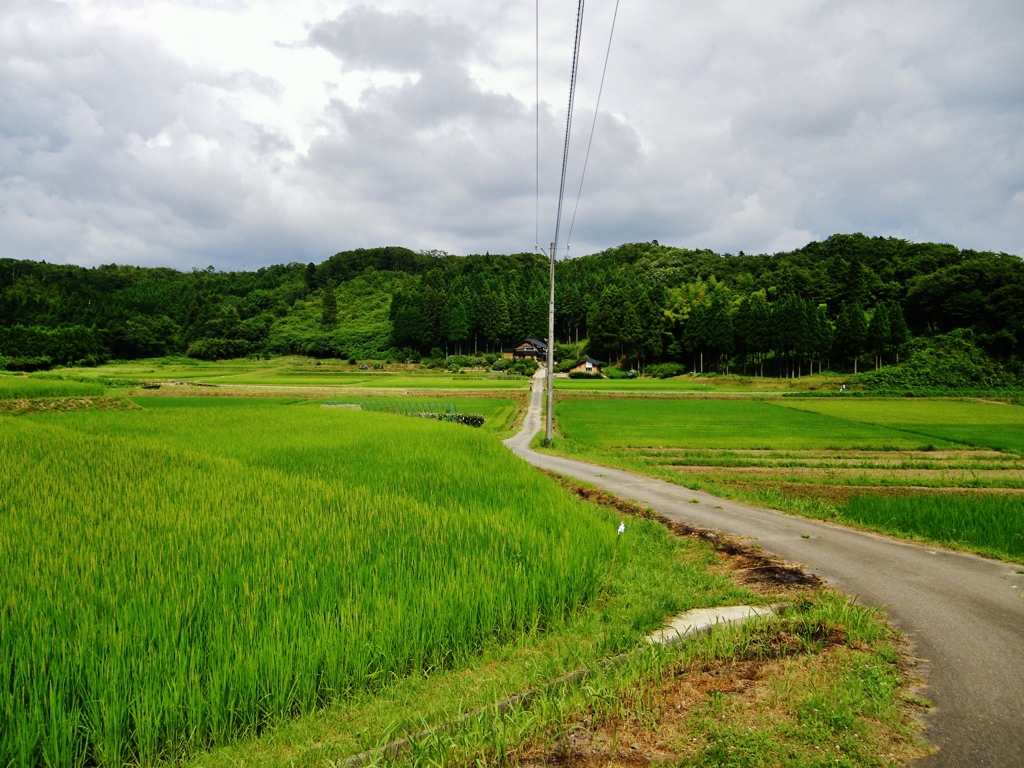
<point x="587" y="365"/>
<point x="535" y="349"/>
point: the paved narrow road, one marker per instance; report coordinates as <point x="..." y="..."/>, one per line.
<point x="964" y="614"/>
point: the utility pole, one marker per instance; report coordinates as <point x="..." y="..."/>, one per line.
<point x="549" y="429"/>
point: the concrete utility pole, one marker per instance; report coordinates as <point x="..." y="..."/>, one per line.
<point x="549" y="422"/>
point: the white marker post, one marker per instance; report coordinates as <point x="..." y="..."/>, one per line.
<point x="622" y="530"/>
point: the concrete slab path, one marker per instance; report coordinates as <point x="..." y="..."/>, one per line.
<point x="964" y="614"/>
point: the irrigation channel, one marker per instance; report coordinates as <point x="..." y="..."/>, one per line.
<point x="963" y="613"/>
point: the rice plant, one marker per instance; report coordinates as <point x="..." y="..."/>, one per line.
<point x="179" y="577"/>
<point x="991" y="523"/>
<point x="27" y="387"/>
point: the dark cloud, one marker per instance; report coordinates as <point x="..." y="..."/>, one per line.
<point x="742" y="126"/>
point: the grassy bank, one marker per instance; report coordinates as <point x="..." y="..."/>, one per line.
<point x="821" y="686"/>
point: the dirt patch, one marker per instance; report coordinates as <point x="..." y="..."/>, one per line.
<point x="759" y="571"/>
<point x="66" y="404"/>
<point x="657" y="726"/>
<point x="619" y="741"/>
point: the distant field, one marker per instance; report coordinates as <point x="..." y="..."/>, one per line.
<point x="179" y="575"/>
<point x="638" y="385"/>
<point x="690" y="383"/>
<point x="971" y="422"/>
<point x="27" y="387"/>
<point x="498" y="412"/>
<point x="736" y="424"/>
<point x="938" y="469"/>
<point x="449" y="381"/>
<point x="298" y="372"/>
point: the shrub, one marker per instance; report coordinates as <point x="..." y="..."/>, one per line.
<point x="950" y="362"/>
<point x="666" y="370"/>
<point x="466" y="361"/>
<point x="218" y="349"/>
<point x="524" y="367"/>
<point x="29" y="364"/>
<point x="321" y="346"/>
<point x="470" y="419"/>
<point x="527" y="367"/>
<point x="584" y="375"/>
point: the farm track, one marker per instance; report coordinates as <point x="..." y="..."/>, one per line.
<point x="964" y="614"/>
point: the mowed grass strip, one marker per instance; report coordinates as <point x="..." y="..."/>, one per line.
<point x="705" y="424"/>
<point x="179" y="577"/>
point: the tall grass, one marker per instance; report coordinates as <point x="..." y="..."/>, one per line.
<point x="992" y="523"/>
<point x="26" y="388"/>
<point x="177" y="578"/>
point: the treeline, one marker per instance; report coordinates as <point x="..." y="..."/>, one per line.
<point x="845" y="303"/>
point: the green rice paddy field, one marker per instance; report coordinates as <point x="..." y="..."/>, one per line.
<point x="180" y="575"/>
<point x="291" y="372"/>
<point x="225" y="581"/>
<point x="24" y="387"/>
<point x="946" y="471"/>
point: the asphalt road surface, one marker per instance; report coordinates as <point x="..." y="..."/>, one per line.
<point x="964" y="614"/>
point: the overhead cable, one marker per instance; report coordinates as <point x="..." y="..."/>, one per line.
<point x="593" y="125"/>
<point x="536" y="233"/>
<point x="568" y="120"/>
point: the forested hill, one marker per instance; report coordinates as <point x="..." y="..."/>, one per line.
<point x="848" y="300"/>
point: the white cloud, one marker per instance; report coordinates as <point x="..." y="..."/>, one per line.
<point x="189" y="133"/>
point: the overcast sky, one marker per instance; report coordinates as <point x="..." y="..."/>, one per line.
<point x="238" y="134"/>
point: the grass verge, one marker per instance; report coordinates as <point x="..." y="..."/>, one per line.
<point x="827" y="683"/>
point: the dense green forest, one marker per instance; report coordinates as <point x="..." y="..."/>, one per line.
<point x="848" y="303"/>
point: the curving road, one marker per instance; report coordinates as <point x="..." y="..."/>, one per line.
<point x="964" y="614"/>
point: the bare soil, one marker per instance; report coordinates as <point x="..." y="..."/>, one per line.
<point x="658" y="726"/>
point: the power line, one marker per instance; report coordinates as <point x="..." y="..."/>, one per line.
<point x="536" y="233"/>
<point x="593" y="125"/>
<point x="568" y="119"/>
